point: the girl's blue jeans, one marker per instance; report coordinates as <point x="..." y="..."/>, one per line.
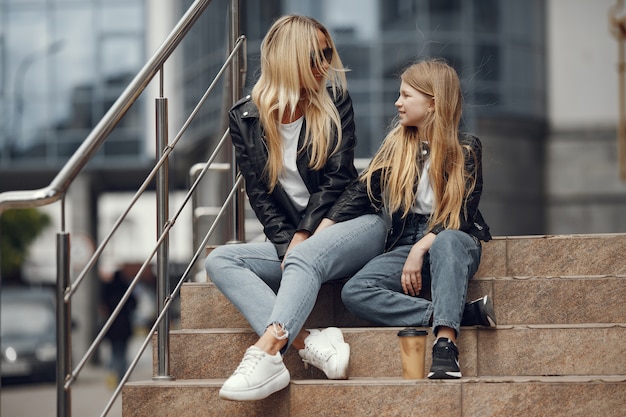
<point x="375" y="292"/>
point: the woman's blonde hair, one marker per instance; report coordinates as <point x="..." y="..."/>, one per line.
<point x="289" y="53"/>
<point x="399" y="155"/>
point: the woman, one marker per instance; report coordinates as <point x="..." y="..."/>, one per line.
<point x="428" y="177"/>
<point x="294" y="142"/>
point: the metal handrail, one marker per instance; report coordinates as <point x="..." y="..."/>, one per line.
<point x="58" y="187"/>
<point x="162" y="236"/>
<point x="169" y="297"/>
<point x="198" y="212"/>
<point x="97" y="253"/>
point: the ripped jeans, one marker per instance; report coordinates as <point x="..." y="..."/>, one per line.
<point x="250" y="274"/>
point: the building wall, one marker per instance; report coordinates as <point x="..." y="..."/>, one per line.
<point x="583" y="188"/>
<point x="63" y="64"/>
<point x="513" y="198"/>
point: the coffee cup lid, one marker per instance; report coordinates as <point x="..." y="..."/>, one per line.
<point x="411" y="331"/>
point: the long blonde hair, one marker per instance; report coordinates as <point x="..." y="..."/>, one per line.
<point x="398" y="156"/>
<point x="289" y="52"/>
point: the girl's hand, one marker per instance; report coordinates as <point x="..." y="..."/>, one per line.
<point x="412" y="272"/>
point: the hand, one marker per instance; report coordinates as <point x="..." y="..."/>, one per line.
<point x="298" y="238"/>
<point x="412" y="271"/>
<point x="324" y="224"/>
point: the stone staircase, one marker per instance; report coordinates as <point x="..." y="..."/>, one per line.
<point x="559" y="348"/>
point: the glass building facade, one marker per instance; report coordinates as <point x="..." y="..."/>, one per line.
<point x="497" y="47"/>
<point x="63" y="63"/>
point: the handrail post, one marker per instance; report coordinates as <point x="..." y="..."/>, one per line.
<point x="162" y="196"/>
<point x="239" y="232"/>
<point x="63" y="331"/>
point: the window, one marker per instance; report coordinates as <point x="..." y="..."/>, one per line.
<point x="486" y="16"/>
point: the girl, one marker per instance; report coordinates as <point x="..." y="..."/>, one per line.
<point x="428" y="178"/>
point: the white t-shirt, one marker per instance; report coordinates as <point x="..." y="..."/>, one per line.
<point x="424" y="197"/>
<point x="290" y="178"/>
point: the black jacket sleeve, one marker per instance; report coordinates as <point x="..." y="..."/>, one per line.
<point x="277" y="223"/>
<point x="355" y="201"/>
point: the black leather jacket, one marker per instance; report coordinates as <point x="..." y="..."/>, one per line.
<point x="355" y="201"/>
<point x="275" y="210"/>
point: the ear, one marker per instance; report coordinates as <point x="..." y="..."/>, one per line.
<point x="431" y="105"/>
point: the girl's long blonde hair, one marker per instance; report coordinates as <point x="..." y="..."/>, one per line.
<point x="398" y="156"/>
<point x="289" y="53"/>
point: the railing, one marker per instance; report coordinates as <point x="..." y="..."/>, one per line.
<point x="201" y="212"/>
<point x="57" y="190"/>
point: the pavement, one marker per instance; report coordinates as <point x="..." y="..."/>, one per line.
<point x="90" y="393"/>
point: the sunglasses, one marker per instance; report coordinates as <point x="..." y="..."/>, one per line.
<point x="325" y="54"/>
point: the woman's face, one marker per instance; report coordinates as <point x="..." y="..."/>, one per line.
<point x="324" y="48"/>
<point x="413" y="106"/>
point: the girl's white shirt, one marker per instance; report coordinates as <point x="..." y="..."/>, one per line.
<point x="290" y="178"/>
<point x="424" y="197"/>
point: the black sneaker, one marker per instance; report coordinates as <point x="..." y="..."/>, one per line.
<point x="479" y="313"/>
<point x="445" y="363"/>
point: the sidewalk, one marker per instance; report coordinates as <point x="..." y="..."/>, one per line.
<point x="89" y="393"/>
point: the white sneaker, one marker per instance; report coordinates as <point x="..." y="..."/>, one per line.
<point x="258" y="376"/>
<point x="327" y="351"/>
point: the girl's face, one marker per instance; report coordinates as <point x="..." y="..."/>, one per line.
<point x="413" y="106"/>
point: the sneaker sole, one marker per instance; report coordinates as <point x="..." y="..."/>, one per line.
<point x="277" y="383"/>
<point x="440" y="374"/>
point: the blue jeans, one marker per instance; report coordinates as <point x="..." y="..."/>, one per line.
<point x="375" y="292"/>
<point x="250" y="274"/>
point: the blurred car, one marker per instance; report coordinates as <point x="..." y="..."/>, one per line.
<point x="28" y="334"/>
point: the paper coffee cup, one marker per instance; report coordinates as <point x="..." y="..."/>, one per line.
<point x="412" y="352"/>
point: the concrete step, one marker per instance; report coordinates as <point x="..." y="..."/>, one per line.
<point x="533" y="280"/>
<point x="554" y="256"/>
<point x="517" y="300"/>
<point x="530" y="350"/>
<point x="362" y="397"/>
<point x="558" y="349"/>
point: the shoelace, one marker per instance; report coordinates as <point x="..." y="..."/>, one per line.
<point x="249" y="362"/>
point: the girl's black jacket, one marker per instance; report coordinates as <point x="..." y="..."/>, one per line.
<point x="355" y="200"/>
<point x="275" y="210"/>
